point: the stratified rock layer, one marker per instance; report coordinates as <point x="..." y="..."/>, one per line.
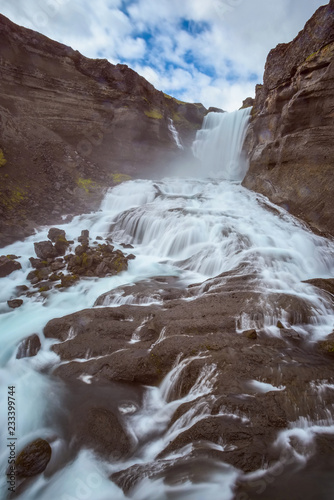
<point x="290" y="140"/>
<point x="71" y="126"/>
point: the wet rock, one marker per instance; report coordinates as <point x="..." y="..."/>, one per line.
<point x="250" y="334"/>
<point x="99" y="238"/>
<point x="21" y="290"/>
<point x="38" y="275"/>
<point x="126" y="245"/>
<point x="130" y="256"/>
<point x="68" y="280"/>
<point x="28" y="347"/>
<point x="54" y="233"/>
<point x="324" y="284"/>
<point x="327" y="345"/>
<point x="33" y="459"/>
<point x="45" y="250"/>
<point x="38" y="263"/>
<point x="15" y="303"/>
<point x="101" y="430"/>
<point x="84" y="238"/>
<point x="8" y="265"/>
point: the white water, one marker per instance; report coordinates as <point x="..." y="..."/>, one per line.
<point x="190" y="228"/>
<point x="219" y="144"/>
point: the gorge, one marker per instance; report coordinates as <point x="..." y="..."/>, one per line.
<point x="204" y="366"/>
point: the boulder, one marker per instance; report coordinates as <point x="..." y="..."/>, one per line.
<point x="45" y="250"/>
<point x="15" y="303"/>
<point x="33" y="459"/>
<point x="28" y="347"/>
<point x="54" y="233"/>
<point x="8" y="265"/>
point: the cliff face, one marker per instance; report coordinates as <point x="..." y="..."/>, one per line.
<point x="290" y="139"/>
<point x="71" y="126"/>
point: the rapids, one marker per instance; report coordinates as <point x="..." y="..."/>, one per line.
<point x="192" y="229"/>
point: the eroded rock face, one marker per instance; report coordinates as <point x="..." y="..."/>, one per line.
<point x="290" y="137"/>
<point x="116" y="126"/>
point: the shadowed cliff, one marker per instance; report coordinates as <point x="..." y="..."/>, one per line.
<point x="290" y="140"/>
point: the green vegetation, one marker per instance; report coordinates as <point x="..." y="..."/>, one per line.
<point x="86" y="184"/>
<point x="154" y="113"/>
<point x="3" y="161"/>
<point x="118" y="178"/>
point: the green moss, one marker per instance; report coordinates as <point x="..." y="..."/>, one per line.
<point x="3" y="161"/>
<point x="118" y="178"/>
<point x="154" y="113"/>
<point x="44" y="289"/>
<point x="86" y="184"/>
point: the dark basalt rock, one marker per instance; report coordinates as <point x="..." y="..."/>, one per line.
<point x="8" y="265"/>
<point x="101" y="430"/>
<point x="33" y="459"/>
<point x="15" y="303"/>
<point x="115" y="127"/>
<point x="45" y="250"/>
<point x="54" y="233"/>
<point x="288" y="141"/>
<point x="28" y="347"/>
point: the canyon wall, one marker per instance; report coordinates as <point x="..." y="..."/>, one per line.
<point x="71" y="126"/>
<point x="290" y="138"/>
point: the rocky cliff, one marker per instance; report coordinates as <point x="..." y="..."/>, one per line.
<point x="290" y="140"/>
<point x="71" y="126"/>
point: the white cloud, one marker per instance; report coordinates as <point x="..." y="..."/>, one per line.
<point x="212" y="58"/>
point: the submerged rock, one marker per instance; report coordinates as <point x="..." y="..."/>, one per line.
<point x="15" y="303"/>
<point x="28" y="347"/>
<point x="33" y="459"/>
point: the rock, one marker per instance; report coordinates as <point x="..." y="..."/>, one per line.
<point x="250" y="334"/>
<point x="21" y="290"/>
<point x="38" y="263"/>
<point x="99" y="238"/>
<point x="291" y="157"/>
<point x="68" y="280"/>
<point x="247" y="103"/>
<point x="28" y="347"/>
<point x="212" y="109"/>
<point x="54" y="233"/>
<point x="101" y="430"/>
<point x="279" y="324"/>
<point x="324" y="284"/>
<point x="126" y="245"/>
<point x="33" y="459"/>
<point x="128" y="134"/>
<point x="327" y="345"/>
<point x="8" y="265"/>
<point x="84" y="238"/>
<point x="45" y="250"/>
<point x="130" y="256"/>
<point x="15" y="303"/>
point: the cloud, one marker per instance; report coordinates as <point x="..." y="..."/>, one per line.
<point x="211" y="52"/>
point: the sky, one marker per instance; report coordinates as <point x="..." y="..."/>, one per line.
<point x="208" y="51"/>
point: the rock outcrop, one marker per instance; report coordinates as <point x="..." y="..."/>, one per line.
<point x="71" y="126"/>
<point x="290" y="138"/>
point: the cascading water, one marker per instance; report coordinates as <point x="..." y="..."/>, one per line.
<point x="218" y="145"/>
<point x="192" y="230"/>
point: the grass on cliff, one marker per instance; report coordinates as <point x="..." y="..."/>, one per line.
<point x="154" y="113"/>
<point x="3" y="160"/>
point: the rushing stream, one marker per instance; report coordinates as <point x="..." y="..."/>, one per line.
<point x="192" y="229"/>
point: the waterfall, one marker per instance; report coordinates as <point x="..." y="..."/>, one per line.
<point x="218" y="145"/>
<point x="174" y="133"/>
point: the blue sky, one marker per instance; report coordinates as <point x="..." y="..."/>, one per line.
<point x="209" y="51"/>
